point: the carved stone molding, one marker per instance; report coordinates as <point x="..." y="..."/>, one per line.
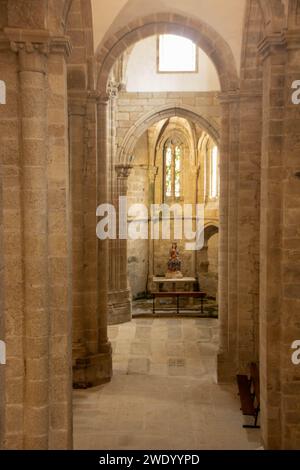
<point x="113" y="89"/>
<point x="286" y="40"/>
<point x="123" y="171"/>
<point x="34" y="41"/>
<point x="60" y="45"/>
<point x="271" y="43"/>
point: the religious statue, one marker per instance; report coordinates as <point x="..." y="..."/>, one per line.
<point x="174" y="264"/>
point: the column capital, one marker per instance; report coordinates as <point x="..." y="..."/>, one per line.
<point x="113" y="89"/>
<point x="60" y="45"/>
<point x="34" y="41"/>
<point x="288" y="39"/>
<point x="271" y="43"/>
<point x="111" y="92"/>
<point x="123" y="170"/>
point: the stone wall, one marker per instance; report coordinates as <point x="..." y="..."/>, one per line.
<point x="131" y="107"/>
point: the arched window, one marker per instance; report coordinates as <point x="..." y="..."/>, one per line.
<point x="173" y="152"/>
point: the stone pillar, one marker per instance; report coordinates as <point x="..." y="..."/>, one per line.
<point x="32" y="80"/>
<point x="82" y="135"/>
<point x="119" y="297"/>
<point x="229" y="154"/>
<point x="274" y="57"/>
<point x="153" y="172"/>
<point x="280" y="244"/>
<point x="290" y="325"/>
<point x="77" y="120"/>
<point x="119" y="291"/>
<point x="37" y="293"/>
<point x="104" y="356"/>
<point x="12" y="312"/>
<point x="249" y="227"/>
<point x="59" y="249"/>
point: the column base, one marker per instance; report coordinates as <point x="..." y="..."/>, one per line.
<point x="93" y="370"/>
<point x="119" y="307"/>
<point x="226" y="368"/>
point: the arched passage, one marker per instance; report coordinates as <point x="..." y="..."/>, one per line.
<point x="166" y="112"/>
<point x="218" y="50"/>
<point x="210" y="231"/>
<point x="198" y="31"/>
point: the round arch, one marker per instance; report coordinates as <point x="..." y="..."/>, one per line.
<point x="209" y="231"/>
<point x="131" y="138"/>
<point x="198" y="31"/>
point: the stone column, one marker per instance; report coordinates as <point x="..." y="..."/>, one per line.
<point x="104" y="356"/>
<point x="274" y="57"/>
<point x="249" y="227"/>
<point x="153" y="172"/>
<point x="33" y="82"/>
<point x="38" y="412"/>
<point x="59" y="248"/>
<point x="82" y="135"/>
<point x="77" y="120"/>
<point x="11" y="271"/>
<point x="119" y="291"/>
<point x="280" y="244"/>
<point x="119" y="297"/>
<point x="40" y="272"/>
<point x="229" y="154"/>
<point x="290" y="325"/>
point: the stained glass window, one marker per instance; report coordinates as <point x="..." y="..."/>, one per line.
<point x="168" y="171"/>
<point x="177" y="170"/>
<point x="173" y="165"/>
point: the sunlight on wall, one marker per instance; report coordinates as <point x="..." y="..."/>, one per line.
<point x="142" y="74"/>
<point x="176" y="54"/>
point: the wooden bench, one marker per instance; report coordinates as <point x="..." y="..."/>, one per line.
<point x="178" y="295"/>
<point x="250" y="394"/>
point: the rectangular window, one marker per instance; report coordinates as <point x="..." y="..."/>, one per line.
<point x="176" y="54"/>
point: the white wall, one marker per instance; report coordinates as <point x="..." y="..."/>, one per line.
<point x="142" y="73"/>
